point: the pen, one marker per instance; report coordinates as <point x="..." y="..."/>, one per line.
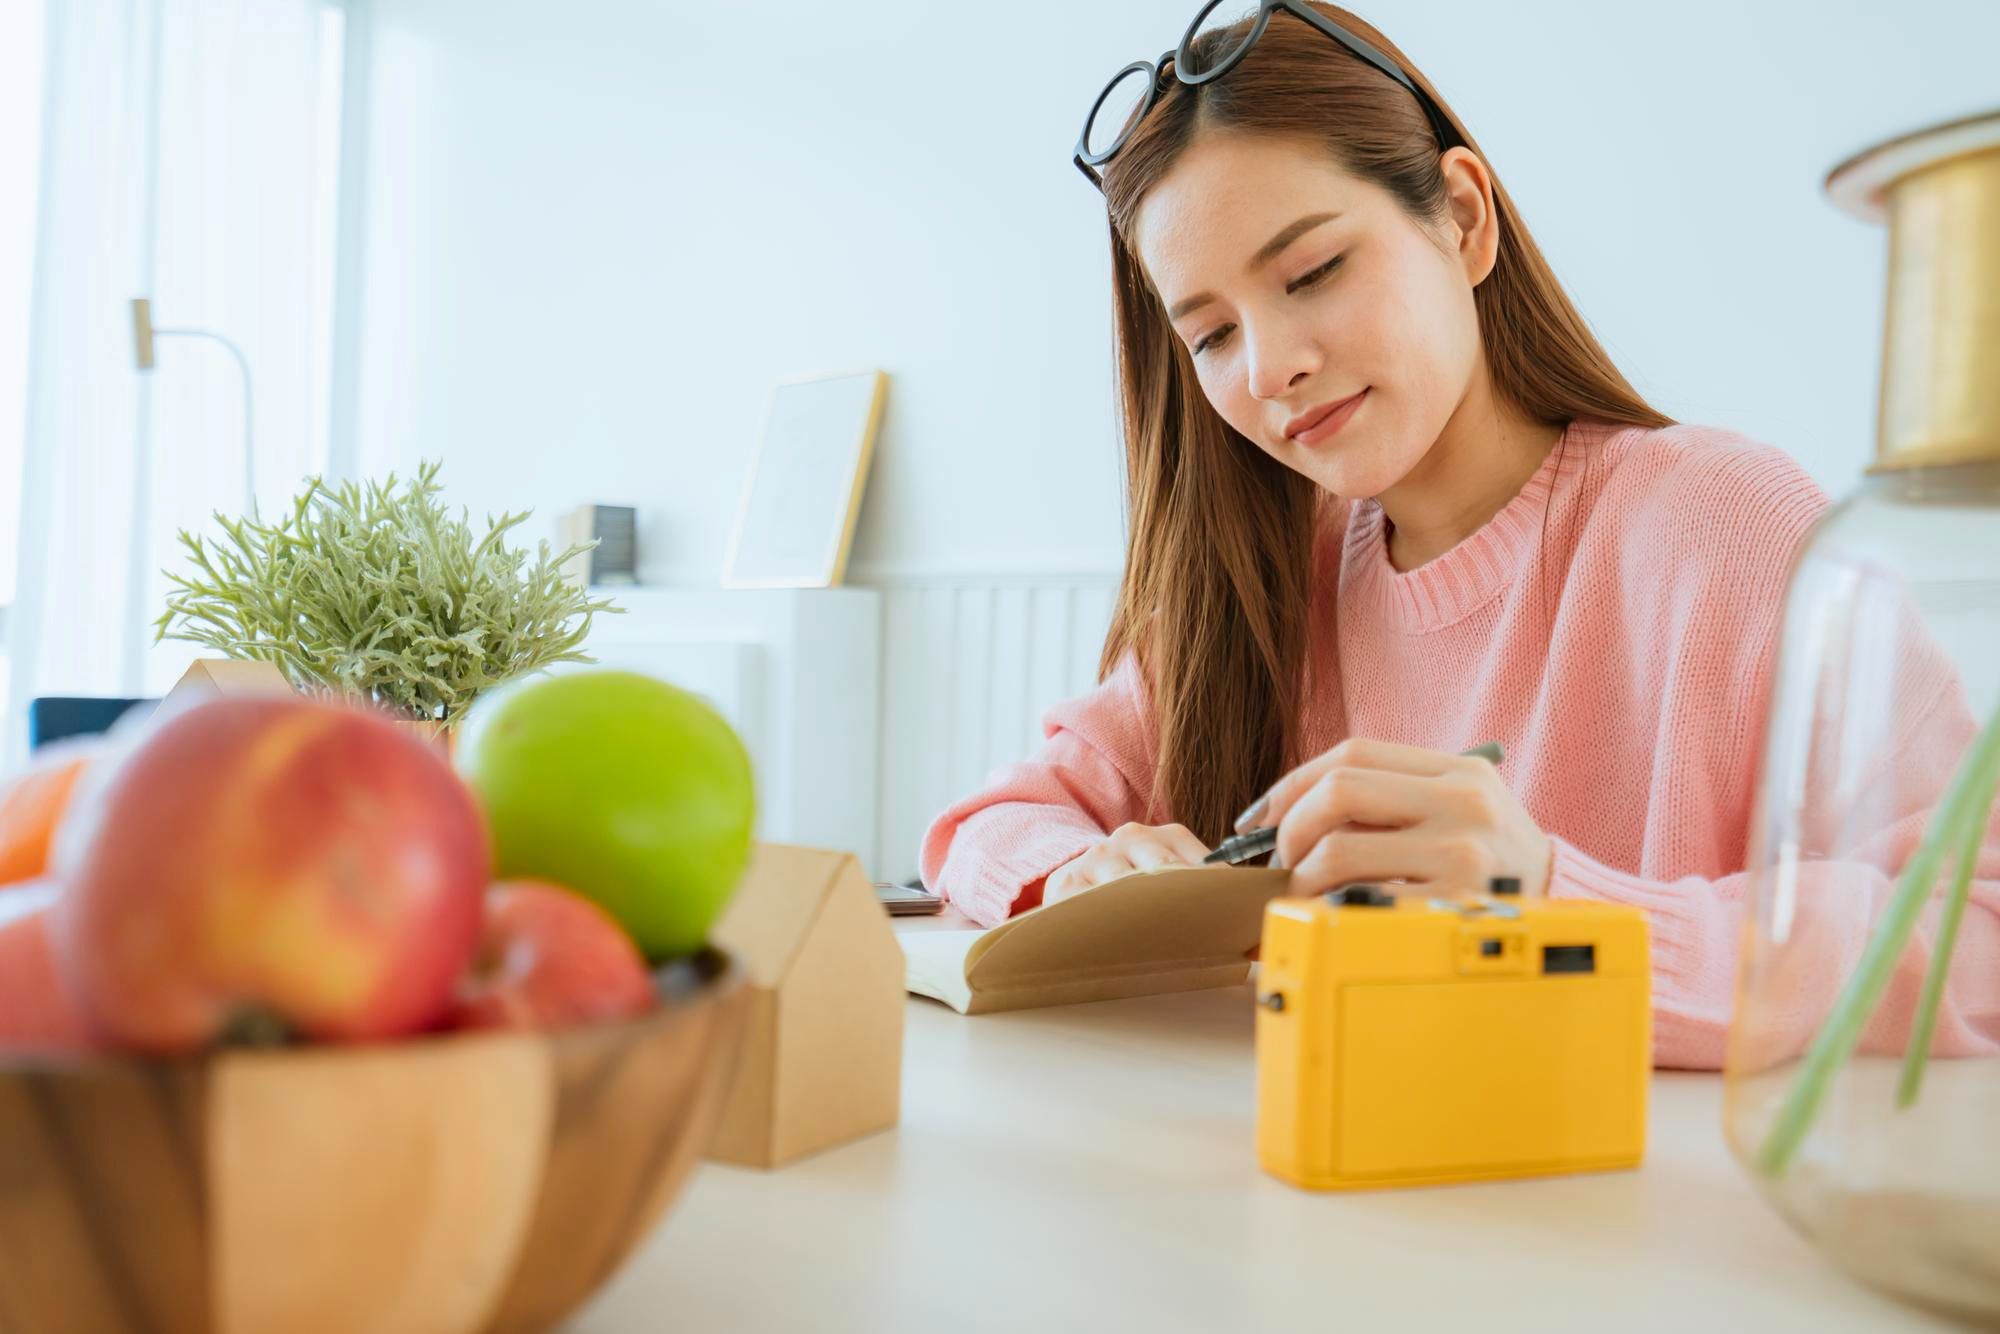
<point x="1257" y="842"/>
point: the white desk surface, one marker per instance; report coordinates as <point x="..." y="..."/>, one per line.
<point x="1092" y="1167"/>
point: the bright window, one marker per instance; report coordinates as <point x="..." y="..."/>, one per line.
<point x="20" y="172"/>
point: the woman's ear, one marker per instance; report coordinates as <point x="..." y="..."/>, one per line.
<point x="1469" y="189"/>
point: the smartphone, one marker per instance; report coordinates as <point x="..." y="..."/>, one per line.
<point x="907" y="900"/>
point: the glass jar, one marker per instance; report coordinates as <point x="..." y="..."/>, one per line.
<point x="1876" y="788"/>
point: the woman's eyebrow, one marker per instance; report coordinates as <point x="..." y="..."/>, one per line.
<point x="1265" y="253"/>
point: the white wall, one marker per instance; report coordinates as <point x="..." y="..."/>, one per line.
<point x="597" y="230"/>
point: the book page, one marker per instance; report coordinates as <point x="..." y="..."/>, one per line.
<point x="1161" y="920"/>
<point x="1173" y="928"/>
<point x="934" y="963"/>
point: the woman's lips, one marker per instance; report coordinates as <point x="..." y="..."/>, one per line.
<point x="1326" y="426"/>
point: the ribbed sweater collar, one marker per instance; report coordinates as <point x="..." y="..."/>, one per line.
<point x="1451" y="586"/>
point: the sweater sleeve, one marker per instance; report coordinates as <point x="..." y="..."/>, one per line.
<point x="1866" y="786"/>
<point x="990" y="851"/>
<point x="1695" y="932"/>
<point x="1844" y="868"/>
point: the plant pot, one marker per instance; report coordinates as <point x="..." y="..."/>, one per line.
<point x="436" y="735"/>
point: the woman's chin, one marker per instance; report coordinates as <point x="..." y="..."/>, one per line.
<point x="1350" y="479"/>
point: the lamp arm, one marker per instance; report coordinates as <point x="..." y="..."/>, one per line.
<point x="249" y="436"/>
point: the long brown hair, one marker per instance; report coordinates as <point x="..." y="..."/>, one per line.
<point x="1221" y="545"/>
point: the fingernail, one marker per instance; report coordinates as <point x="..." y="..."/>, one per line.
<point x="1251" y="812"/>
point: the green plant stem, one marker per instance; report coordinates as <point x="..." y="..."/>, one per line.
<point x="1965" y="802"/>
<point x="1972" y="839"/>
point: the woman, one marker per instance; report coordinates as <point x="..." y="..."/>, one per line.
<point x="1389" y="499"/>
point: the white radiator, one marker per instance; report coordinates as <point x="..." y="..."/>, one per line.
<point x="969" y="665"/>
<point x="870" y="708"/>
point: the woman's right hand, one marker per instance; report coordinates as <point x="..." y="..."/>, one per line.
<point x="1132" y="847"/>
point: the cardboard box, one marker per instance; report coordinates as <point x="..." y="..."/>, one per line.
<point x="822" y="1061"/>
<point x="210" y="677"/>
<point x="228" y="676"/>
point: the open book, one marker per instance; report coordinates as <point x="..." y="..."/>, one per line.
<point x="1176" y="928"/>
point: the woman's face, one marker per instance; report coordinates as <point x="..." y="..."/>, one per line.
<point x="1294" y="285"/>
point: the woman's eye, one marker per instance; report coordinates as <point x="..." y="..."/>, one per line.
<point x="1312" y="279"/>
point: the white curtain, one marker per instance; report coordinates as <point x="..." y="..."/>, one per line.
<point x="187" y="157"/>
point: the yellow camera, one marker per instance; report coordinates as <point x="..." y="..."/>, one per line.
<point x="1405" y="1042"/>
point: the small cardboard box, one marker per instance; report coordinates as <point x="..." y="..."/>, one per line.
<point x="208" y="678"/>
<point x="228" y="676"/>
<point x="822" y="1061"/>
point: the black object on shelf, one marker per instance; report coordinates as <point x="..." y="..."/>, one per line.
<point x="56" y="717"/>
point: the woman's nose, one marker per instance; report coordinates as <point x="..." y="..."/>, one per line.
<point x="1280" y="360"/>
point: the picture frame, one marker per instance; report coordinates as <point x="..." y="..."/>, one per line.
<point x="795" y="523"/>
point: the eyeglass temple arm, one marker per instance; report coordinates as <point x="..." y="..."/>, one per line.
<point x="1446" y="136"/>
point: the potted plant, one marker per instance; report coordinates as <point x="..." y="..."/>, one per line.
<point x="368" y="591"/>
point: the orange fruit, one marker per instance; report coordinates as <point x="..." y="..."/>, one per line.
<point x="36" y="1014"/>
<point x="31" y="805"/>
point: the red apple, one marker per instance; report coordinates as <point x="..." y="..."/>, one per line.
<point x="549" y="957"/>
<point x="36" y="1013"/>
<point x="261" y="862"/>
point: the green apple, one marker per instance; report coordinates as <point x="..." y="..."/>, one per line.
<point x="630" y="791"/>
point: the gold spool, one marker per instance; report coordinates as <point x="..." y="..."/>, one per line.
<point x="1939" y="191"/>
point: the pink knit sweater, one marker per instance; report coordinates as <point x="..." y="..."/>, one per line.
<point x="1632" y="729"/>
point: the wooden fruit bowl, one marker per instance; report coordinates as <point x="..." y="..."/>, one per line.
<point x="456" y="1182"/>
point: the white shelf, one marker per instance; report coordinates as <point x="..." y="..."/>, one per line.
<point x="797" y="672"/>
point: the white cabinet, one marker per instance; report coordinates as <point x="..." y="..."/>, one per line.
<point x="797" y="672"/>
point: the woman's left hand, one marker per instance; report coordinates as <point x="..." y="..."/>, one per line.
<point x="1370" y="811"/>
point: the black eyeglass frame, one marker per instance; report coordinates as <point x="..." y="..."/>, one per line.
<point x="1156" y="78"/>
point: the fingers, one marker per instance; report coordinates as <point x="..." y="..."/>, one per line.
<point x="1375" y="797"/>
<point x="1146" y="846"/>
<point x="1353" y="753"/>
<point x="1101" y="863"/>
<point x="1186" y="846"/>
<point x="1453" y="863"/>
<point x="1132" y="847"/>
<point x="1148" y="855"/>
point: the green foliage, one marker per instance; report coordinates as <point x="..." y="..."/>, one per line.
<point x="364" y="591"/>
